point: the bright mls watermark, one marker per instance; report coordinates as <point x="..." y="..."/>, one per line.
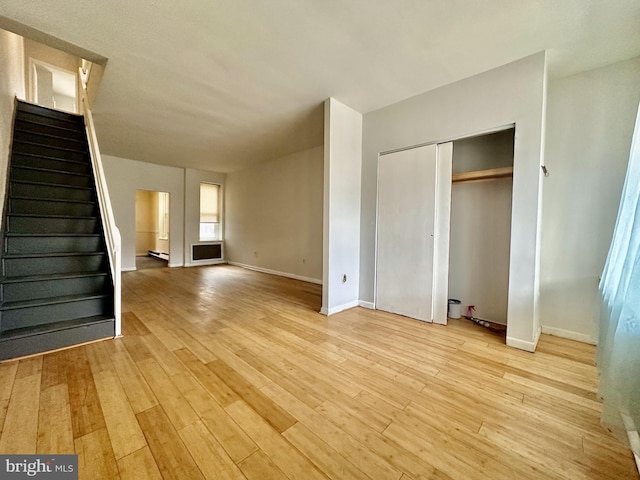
<point x="50" y="467"/>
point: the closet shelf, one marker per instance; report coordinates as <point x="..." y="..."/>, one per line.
<point x="482" y="174"/>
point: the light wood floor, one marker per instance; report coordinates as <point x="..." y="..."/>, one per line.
<point x="227" y="373"/>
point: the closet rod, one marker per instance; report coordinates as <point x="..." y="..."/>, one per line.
<point x="482" y="174"/>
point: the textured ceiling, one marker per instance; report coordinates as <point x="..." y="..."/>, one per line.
<point x="218" y="85"/>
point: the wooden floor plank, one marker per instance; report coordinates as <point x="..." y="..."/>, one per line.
<point x="295" y="465"/>
<point x="139" y="464"/>
<point x="259" y="466"/>
<point x="20" y="429"/>
<point x="172" y="457"/>
<point x="174" y="404"/>
<point x="211" y="458"/>
<point x="95" y="456"/>
<point x="86" y="412"/>
<point x="55" y="430"/>
<point x="124" y="431"/>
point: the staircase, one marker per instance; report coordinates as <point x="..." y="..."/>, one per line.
<point x="56" y="285"/>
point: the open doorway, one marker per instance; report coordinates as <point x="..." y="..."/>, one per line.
<point x="52" y="86"/>
<point x="152" y="229"/>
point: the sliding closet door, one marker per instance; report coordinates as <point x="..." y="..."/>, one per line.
<point x="405" y="233"/>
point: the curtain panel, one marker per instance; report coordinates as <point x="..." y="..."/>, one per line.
<point x="618" y="356"/>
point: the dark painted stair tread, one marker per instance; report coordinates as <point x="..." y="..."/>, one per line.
<point x="38" y="302"/>
<point x="48" y="112"/>
<point x="27" y="123"/>
<point x="34" y="135"/>
<point x="55" y="326"/>
<point x="21" y="129"/>
<point x="52" y="255"/>
<point x="53" y="276"/>
<point x="75" y="150"/>
<point x="40" y="215"/>
<point x="45" y="184"/>
<point x="39" y="235"/>
<point x="49" y="170"/>
<point x="61" y="200"/>
<point x="37" y="155"/>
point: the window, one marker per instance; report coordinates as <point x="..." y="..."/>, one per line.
<point x="163" y="215"/>
<point x="210" y="212"/>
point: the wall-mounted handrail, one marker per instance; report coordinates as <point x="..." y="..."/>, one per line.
<point x="111" y="231"/>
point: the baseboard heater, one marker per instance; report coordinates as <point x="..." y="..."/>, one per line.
<point x="161" y="255"/>
<point x="209" y="251"/>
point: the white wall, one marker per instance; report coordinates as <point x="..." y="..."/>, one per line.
<point x="273" y="214"/>
<point x="514" y="93"/>
<point x="481" y="227"/>
<point x="11" y="85"/>
<point x="192" y="181"/>
<point x="341" y="219"/>
<point x="124" y="177"/>
<point x="590" y="121"/>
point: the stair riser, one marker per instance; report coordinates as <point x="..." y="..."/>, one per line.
<point x="49" y="121"/>
<point x="27" y="175"/>
<point x="40" y="315"/>
<point x="21" y="267"/>
<point x="20" y="147"/>
<point x="50" y="164"/>
<point x="51" y="225"/>
<point x="13" y="292"/>
<point x="18" y="347"/>
<point x="22" y="206"/>
<point x="28" y="245"/>
<point x="44" y="112"/>
<point x="48" y="191"/>
<point x="67" y="131"/>
<point x="47" y="140"/>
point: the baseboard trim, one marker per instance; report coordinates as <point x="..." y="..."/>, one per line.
<point x="174" y="265"/>
<point x="632" y="435"/>
<point x="275" y="272"/>
<point x="369" y="305"/>
<point x="128" y="269"/>
<point x="340" y="308"/>
<point x="204" y="263"/>
<point x="569" y="334"/>
<point x="523" y="344"/>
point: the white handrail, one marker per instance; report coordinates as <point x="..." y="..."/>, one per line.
<point x="111" y="231"/>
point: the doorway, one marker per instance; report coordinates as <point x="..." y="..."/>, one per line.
<point x="152" y="228"/>
<point x="53" y="87"/>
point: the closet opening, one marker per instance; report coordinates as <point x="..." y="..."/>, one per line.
<point x="480" y="228"/>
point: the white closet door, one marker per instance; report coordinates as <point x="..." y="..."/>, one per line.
<point x="405" y="237"/>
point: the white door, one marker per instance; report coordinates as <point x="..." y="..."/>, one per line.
<point x="405" y="233"/>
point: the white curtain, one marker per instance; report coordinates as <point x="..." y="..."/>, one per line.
<point x="619" y="342"/>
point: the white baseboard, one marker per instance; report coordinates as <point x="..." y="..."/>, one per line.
<point x="275" y="272"/>
<point x="569" y="334"/>
<point x="203" y="263"/>
<point x="369" y="305"/>
<point x="523" y="344"/>
<point x="632" y="435"/>
<point x="128" y="269"/>
<point x="174" y="265"/>
<point x="339" y="308"/>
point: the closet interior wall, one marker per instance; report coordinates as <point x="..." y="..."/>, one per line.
<point x="481" y="225"/>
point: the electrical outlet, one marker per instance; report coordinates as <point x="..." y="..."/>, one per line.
<point x="344" y="278"/>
